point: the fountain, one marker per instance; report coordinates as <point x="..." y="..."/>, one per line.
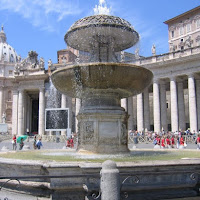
<point x="102" y="82"/>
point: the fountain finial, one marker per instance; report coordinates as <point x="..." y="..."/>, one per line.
<point x="102" y="8"/>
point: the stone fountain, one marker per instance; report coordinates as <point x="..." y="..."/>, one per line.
<point x="102" y="82"/>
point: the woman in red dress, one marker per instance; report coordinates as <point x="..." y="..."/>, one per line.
<point x="172" y="141"/>
<point x="182" y="141"/>
<point x="168" y="142"/>
<point x="163" y="142"/>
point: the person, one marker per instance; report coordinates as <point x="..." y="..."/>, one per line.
<point x="181" y="142"/>
<point x="168" y="142"/>
<point x="163" y="142"/>
<point x="14" y="142"/>
<point x="71" y="142"/>
<point x="198" y="141"/>
<point x="34" y="142"/>
<point x="39" y="143"/>
<point x="68" y="143"/>
<point x="21" y="144"/>
<point x="172" y="141"/>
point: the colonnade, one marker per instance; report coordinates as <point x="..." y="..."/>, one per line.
<point x="177" y="105"/>
<point x="22" y="112"/>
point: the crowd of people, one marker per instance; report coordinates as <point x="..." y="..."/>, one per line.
<point x="37" y="142"/>
<point x="167" y="139"/>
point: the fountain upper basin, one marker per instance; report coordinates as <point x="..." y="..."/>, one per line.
<point x="86" y="79"/>
<point x="105" y="29"/>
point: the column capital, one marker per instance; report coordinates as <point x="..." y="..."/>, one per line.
<point x="191" y="75"/>
<point x="173" y="78"/>
<point x="15" y="91"/>
<point x="156" y="80"/>
<point x="41" y="89"/>
<point x="21" y="90"/>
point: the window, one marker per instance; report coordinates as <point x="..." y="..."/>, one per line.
<point x="188" y="28"/>
<point x="10" y="72"/>
<point x="181" y="30"/>
<point x="198" y="23"/>
<point x="9" y="95"/>
<point x="172" y="34"/>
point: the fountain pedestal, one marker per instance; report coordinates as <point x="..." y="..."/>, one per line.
<point x="102" y="124"/>
<point x="103" y="131"/>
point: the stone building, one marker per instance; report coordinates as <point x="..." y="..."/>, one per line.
<point x="171" y="103"/>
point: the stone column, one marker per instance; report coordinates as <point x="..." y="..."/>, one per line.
<point x="110" y="181"/>
<point x="134" y="112"/>
<point x="130" y="113"/>
<point x="14" y="112"/>
<point x="192" y="103"/>
<point x="140" y="116"/>
<point x="156" y="106"/>
<point x="181" y="106"/>
<point x="146" y="110"/>
<point x="20" y="112"/>
<point x="41" y="121"/>
<point x="1" y="103"/>
<point x="28" y="114"/>
<point x="63" y="105"/>
<point x="78" y="107"/>
<point x="163" y="106"/>
<point x="124" y="104"/>
<point x="25" y="112"/>
<point x="198" y="101"/>
<point x="174" y="105"/>
<point x="69" y="100"/>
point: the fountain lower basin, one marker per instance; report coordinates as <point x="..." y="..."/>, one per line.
<point x="102" y="121"/>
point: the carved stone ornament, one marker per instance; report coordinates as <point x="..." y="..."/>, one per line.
<point x="123" y="134"/>
<point x="188" y="42"/>
<point x="88" y="131"/>
<point x="197" y="38"/>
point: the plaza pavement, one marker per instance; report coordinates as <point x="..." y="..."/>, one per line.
<point x="60" y="145"/>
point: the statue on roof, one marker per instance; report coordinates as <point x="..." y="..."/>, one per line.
<point x="41" y="63"/>
<point x="153" y="50"/>
<point x="137" y="56"/>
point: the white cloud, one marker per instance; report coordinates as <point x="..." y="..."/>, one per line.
<point x="42" y="13"/>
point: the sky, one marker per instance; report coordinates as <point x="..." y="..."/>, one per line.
<point x="40" y="25"/>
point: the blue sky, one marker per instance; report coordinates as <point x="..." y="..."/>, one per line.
<point x="40" y="25"/>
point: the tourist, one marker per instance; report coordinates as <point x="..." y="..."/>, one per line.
<point x="198" y="141"/>
<point x="168" y="142"/>
<point x="39" y="143"/>
<point x="163" y="143"/>
<point x="172" y="141"/>
<point x="181" y="142"/>
<point x="68" y="145"/>
<point x="72" y="142"/>
<point x="21" y="144"/>
<point x="14" y="142"/>
<point x="34" y="142"/>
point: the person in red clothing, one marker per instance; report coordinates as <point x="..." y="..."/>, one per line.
<point x="172" y="141"/>
<point x="158" y="139"/>
<point x="68" y="143"/>
<point x="168" y="142"/>
<point x="163" y="142"/>
<point x="14" y="142"/>
<point x="71" y="142"/>
<point x="181" y="141"/>
<point x="198" y="141"/>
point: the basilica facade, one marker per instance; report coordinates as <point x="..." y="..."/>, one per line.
<point x="171" y="103"/>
